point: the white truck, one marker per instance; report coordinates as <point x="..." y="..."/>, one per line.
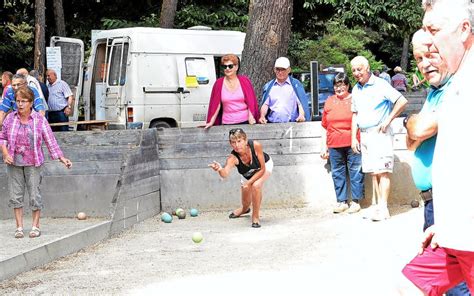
<point x="146" y="77"/>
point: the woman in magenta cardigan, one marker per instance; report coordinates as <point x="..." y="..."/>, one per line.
<point x="233" y="99"/>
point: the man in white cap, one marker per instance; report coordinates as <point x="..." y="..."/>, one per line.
<point x="284" y="98"/>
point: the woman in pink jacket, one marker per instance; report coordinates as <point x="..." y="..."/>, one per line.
<point x="233" y="99"/>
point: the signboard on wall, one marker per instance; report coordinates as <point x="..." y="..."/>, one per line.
<point x="53" y="59"/>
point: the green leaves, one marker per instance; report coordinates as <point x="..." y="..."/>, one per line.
<point x="229" y="15"/>
<point x="21" y="33"/>
<point x="338" y="46"/>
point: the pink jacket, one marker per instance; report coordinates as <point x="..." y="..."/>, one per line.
<point x="249" y="94"/>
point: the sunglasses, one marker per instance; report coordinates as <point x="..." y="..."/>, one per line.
<point x="230" y="66"/>
<point x="235" y="131"/>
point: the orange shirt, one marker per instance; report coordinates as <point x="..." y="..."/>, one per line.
<point x="337" y="120"/>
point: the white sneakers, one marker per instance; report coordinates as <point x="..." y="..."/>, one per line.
<point x="343" y="207"/>
<point x="381" y="213"/>
<point x="354" y="208"/>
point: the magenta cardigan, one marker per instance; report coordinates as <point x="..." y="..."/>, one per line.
<point x="249" y="96"/>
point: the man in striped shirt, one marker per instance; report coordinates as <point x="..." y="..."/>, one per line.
<point x="9" y="104"/>
<point x="60" y="101"/>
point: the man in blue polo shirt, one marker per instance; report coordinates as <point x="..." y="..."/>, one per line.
<point x="284" y="98"/>
<point x="9" y="103"/>
<point x="375" y="103"/>
<point x="423" y="127"/>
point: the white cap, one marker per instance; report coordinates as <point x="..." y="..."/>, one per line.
<point x="282" y="62"/>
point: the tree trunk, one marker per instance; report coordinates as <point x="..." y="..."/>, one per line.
<point x="268" y="36"/>
<point x="39" y="55"/>
<point x="59" y="18"/>
<point x="404" y="58"/>
<point x="251" y="2"/>
<point x="168" y="12"/>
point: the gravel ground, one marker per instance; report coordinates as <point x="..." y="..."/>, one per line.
<point x="297" y="251"/>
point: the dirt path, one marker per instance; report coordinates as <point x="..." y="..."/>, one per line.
<point x="296" y="250"/>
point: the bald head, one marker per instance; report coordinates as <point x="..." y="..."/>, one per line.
<point x="22" y="71"/>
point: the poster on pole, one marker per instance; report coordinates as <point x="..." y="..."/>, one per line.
<point x="53" y="59"/>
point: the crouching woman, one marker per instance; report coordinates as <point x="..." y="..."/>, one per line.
<point x="254" y="165"/>
<point x="21" y="137"/>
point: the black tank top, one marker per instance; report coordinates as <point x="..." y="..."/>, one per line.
<point x="249" y="170"/>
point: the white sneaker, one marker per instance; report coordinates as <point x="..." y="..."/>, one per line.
<point x="381" y="214"/>
<point x="354" y="208"/>
<point x="341" y="207"/>
<point x="369" y="212"/>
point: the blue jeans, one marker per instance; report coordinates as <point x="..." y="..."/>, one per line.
<point x="344" y="160"/>
<point x="461" y="289"/>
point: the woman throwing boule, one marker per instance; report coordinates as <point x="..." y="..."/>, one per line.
<point x="254" y="165"/>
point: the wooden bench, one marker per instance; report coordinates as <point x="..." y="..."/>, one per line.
<point x="89" y="124"/>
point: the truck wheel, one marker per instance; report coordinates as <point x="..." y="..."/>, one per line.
<point x="158" y="124"/>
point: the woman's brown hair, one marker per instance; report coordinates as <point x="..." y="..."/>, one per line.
<point x="25" y="93"/>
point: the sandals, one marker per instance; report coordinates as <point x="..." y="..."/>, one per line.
<point x="256" y="225"/>
<point x="233" y="216"/>
<point x="19" y="233"/>
<point x="35" y="232"/>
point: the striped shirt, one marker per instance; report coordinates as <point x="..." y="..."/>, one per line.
<point x="59" y="91"/>
<point x="9" y="102"/>
<point x="41" y="132"/>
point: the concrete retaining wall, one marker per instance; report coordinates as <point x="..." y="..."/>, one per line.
<point x="299" y="177"/>
<point x="115" y="175"/>
<point x="130" y="175"/>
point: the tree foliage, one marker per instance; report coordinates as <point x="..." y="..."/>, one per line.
<point x="387" y="21"/>
<point x="338" y="46"/>
<point x="392" y="19"/>
<point x="388" y="16"/>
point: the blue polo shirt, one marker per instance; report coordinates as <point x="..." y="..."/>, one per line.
<point x="373" y="101"/>
<point x="423" y="157"/>
<point x="9" y="102"/>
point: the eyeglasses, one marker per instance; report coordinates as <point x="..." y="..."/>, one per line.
<point x="235" y="131"/>
<point x="230" y="66"/>
<point x="341" y="86"/>
<point x="18" y="84"/>
<point x="280" y="69"/>
<point x="22" y="102"/>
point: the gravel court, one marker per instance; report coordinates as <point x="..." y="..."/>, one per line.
<point x="296" y="250"/>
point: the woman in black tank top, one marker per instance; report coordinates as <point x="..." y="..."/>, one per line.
<point x="254" y="165"/>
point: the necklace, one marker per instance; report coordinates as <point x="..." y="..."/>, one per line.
<point x="231" y="83"/>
